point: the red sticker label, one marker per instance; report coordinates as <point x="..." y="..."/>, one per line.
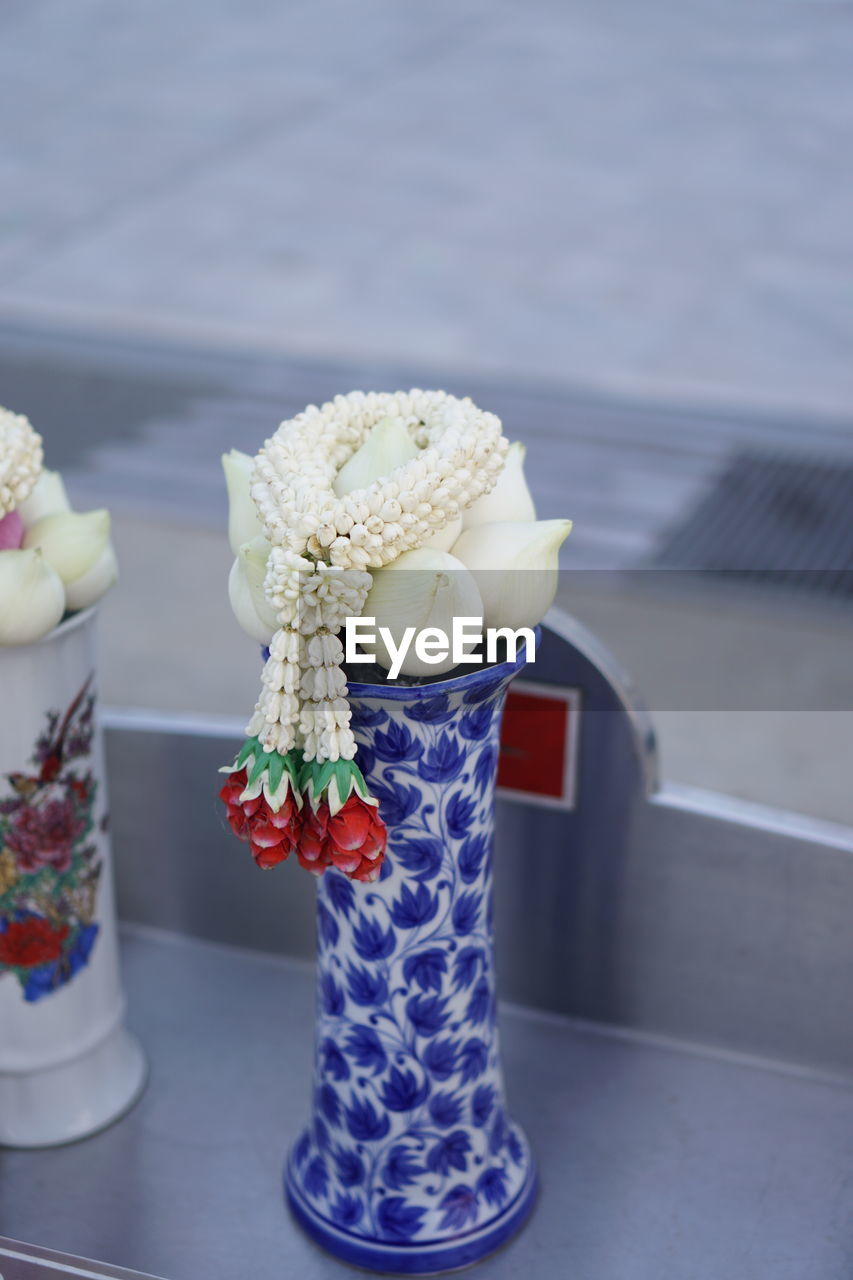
<point x="539" y="742"/>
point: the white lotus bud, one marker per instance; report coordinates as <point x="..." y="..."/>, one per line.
<point x="387" y="447"/>
<point x="420" y="589"/>
<point x="47" y="498"/>
<point x="90" y="586"/>
<point x="32" y="597"/>
<point x="509" y="500"/>
<point x="244" y="523"/>
<point x="244" y="599"/>
<point x="443" y="539"/>
<point x="253" y="556"/>
<point x="514" y="564"/>
<point x="77" y="546"/>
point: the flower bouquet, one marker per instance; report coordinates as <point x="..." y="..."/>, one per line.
<point x="66" y="1064"/>
<point x="403" y="519"/>
<point x="53" y="561"/>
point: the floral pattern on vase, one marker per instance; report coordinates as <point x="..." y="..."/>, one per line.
<point x="49" y="865"/>
<point x="411" y="1149"/>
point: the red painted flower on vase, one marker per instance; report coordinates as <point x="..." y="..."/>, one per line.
<point x="50" y="861"/>
<point x="43" y="834"/>
<point x="353" y="839"/>
<point x="32" y="941"/>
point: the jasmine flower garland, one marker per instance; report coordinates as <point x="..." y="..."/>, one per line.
<point x="20" y="460"/>
<point x="295" y="783"/>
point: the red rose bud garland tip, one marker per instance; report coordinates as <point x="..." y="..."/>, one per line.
<point x="271" y="833"/>
<point x="323" y="811"/>
<point x="353" y="840"/>
<point x="262" y="801"/>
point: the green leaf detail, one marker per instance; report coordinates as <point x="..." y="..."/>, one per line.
<point x="262" y="760"/>
<point x="250" y="747"/>
<point x="334" y="779"/>
<point x="358" y="782"/>
<point x="275" y="769"/>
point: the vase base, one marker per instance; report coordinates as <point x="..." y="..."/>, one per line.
<point x="420" y="1258"/>
<point x="73" y="1099"/>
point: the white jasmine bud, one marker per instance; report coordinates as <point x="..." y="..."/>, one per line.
<point x="20" y="460"/>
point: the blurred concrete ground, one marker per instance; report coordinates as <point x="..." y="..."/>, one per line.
<point x="645" y="198"/>
<point x="593" y="206"/>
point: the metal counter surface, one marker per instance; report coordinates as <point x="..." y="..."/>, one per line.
<point x="656" y="1162"/>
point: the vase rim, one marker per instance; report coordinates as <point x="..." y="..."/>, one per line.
<point x="71" y="623"/>
<point x="474" y="679"/>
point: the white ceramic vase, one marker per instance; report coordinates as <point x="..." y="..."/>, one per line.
<point x="68" y="1067"/>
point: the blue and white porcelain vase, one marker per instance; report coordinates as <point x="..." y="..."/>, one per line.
<point x="411" y="1163"/>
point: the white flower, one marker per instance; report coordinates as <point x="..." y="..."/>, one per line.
<point x="244" y="523"/>
<point x="388" y="446"/>
<point x="253" y="557"/>
<point x="32" y="598"/>
<point x="246" y="591"/>
<point x="47" y="498"/>
<point x="20" y="460"/>
<point x="77" y="545"/>
<point x="95" y="582"/>
<point x="444" y="539"/>
<point x="509" y="500"/>
<point x="421" y="589"/>
<point x="515" y="567"/>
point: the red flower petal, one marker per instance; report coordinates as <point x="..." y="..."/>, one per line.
<point x="374" y="844"/>
<point x="316" y="820"/>
<point x="251" y="807"/>
<point x="316" y="868"/>
<point x="265" y="834"/>
<point x="346" y="862"/>
<point x="285" y="815"/>
<point x="238" y="824"/>
<point x="350" y="826"/>
<point x="368" y="872"/>
<point x="266" y="856"/>
<point x="312" y="849"/>
<point x="229" y="794"/>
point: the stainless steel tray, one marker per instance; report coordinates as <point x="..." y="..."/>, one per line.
<point x="681" y="1053"/>
<point x="656" y="1163"/>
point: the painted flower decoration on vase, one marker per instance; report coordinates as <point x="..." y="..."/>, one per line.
<point x="31" y="940"/>
<point x="44" y="832"/>
<point x="50" y="867"/>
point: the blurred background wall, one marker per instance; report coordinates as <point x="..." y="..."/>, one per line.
<point x="626" y="228"/>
